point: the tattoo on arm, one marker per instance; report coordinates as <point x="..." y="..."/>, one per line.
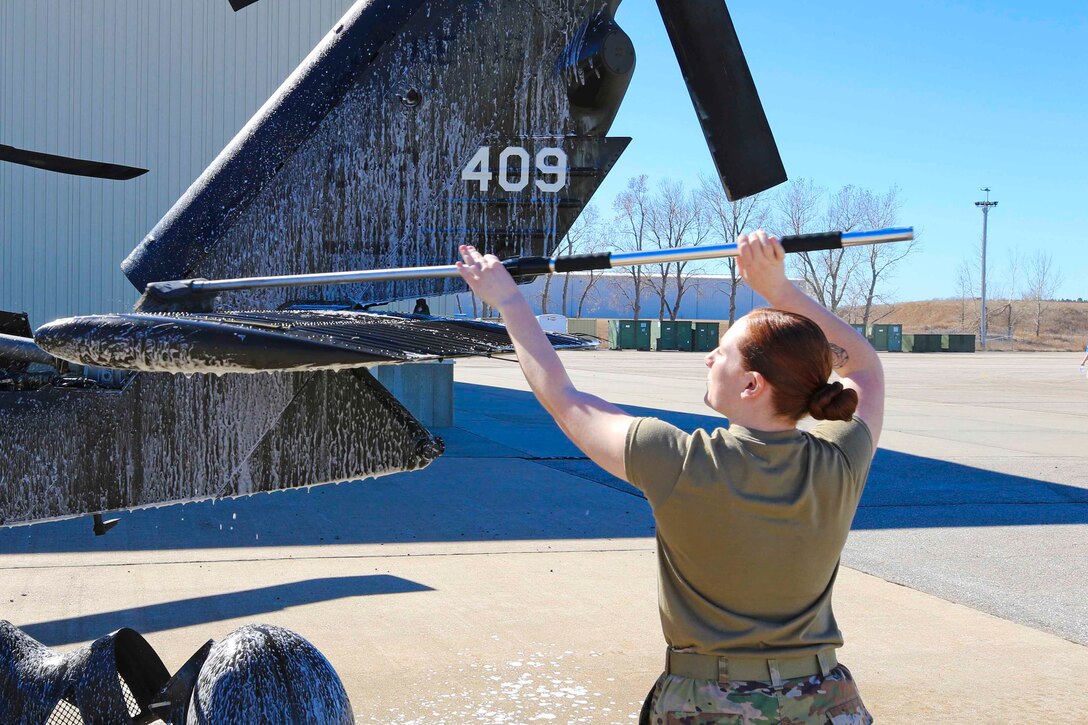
<point x="840" y="356"/>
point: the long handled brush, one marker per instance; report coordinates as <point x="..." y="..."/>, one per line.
<point x="191" y="295"/>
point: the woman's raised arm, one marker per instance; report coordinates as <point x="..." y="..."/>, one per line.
<point x="597" y="427"/>
<point x="762" y="266"/>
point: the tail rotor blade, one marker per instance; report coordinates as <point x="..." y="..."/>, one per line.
<point x="68" y="165"/>
<point x="724" y="95"/>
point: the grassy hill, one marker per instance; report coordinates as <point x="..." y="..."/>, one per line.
<point x="1062" y="326"/>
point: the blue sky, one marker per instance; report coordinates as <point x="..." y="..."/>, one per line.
<point x="938" y="98"/>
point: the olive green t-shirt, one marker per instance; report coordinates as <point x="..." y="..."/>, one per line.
<point x="750" y="527"/>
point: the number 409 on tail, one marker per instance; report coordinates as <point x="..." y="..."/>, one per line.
<point x="516" y="169"/>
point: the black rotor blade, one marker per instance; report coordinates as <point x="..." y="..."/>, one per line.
<point x="67" y="165"/>
<point x="724" y="95"/>
<point x="239" y="4"/>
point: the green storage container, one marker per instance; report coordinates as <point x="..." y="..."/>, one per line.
<point x="706" y="336"/>
<point x="961" y="343"/>
<point x="887" y="338"/>
<point x="621" y="335"/>
<point x="685" y="335"/>
<point x="860" y="329"/>
<point x="663" y="334"/>
<point x="671" y="334"/>
<point x="878" y="337"/>
<point x="629" y="334"/>
<point x="895" y="338"/>
<point x="923" y="342"/>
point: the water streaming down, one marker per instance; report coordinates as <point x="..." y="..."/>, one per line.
<point x="162" y="438"/>
<point x="377" y="181"/>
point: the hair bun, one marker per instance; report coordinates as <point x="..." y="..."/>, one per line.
<point x="832" y="401"/>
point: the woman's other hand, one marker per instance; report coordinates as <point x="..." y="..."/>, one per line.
<point x="762" y="264"/>
<point x="487" y="277"/>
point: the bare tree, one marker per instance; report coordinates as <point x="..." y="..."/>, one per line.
<point x="1014" y="272"/>
<point x="1043" y="279"/>
<point x="580" y="237"/>
<point x="676" y="220"/>
<point x="832" y="272"/>
<point x="1014" y="279"/>
<point x="584" y="237"/>
<point x="797" y="207"/>
<point x="591" y="281"/>
<point x="829" y="274"/>
<point x="968" y="291"/>
<point x="545" y="291"/>
<point x="879" y="260"/>
<point x="632" y="234"/>
<point x="729" y="219"/>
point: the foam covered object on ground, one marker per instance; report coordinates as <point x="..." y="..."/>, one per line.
<point x="110" y="680"/>
<point x="272" y="676"/>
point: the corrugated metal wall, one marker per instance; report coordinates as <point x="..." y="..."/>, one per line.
<point x="159" y="84"/>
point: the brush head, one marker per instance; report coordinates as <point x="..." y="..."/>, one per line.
<point x="176" y="296"/>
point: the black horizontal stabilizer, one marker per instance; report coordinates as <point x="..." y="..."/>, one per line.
<point x="17" y="348"/>
<point x="724" y="95"/>
<point x="16" y="324"/>
<point x="246" y="342"/>
<point x="239" y="4"/>
<point x="68" y="165"/>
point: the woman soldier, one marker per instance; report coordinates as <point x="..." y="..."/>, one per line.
<point x="751" y="520"/>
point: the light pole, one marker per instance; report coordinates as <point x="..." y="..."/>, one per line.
<point x="985" y="206"/>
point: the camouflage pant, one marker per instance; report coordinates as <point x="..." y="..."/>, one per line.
<point x="816" y="700"/>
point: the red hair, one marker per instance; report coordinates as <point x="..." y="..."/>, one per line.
<point x="793" y="355"/>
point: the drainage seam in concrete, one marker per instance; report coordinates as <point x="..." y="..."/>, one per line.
<point x="329" y="557"/>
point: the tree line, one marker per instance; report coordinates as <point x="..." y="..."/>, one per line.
<point x="668" y="214"/>
<point x="1021" y="292"/>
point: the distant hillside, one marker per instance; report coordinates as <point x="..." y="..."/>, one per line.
<point x="1063" y="326"/>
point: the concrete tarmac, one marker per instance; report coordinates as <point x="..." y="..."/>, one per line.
<point x="514" y="582"/>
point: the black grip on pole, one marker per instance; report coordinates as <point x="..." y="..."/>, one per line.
<point x="527" y="266"/>
<point x="584" y="262"/>
<point x="793" y="243"/>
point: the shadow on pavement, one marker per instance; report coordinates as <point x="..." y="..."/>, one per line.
<point x="906" y="491"/>
<point x="509" y="474"/>
<point x="216" y="607"/>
